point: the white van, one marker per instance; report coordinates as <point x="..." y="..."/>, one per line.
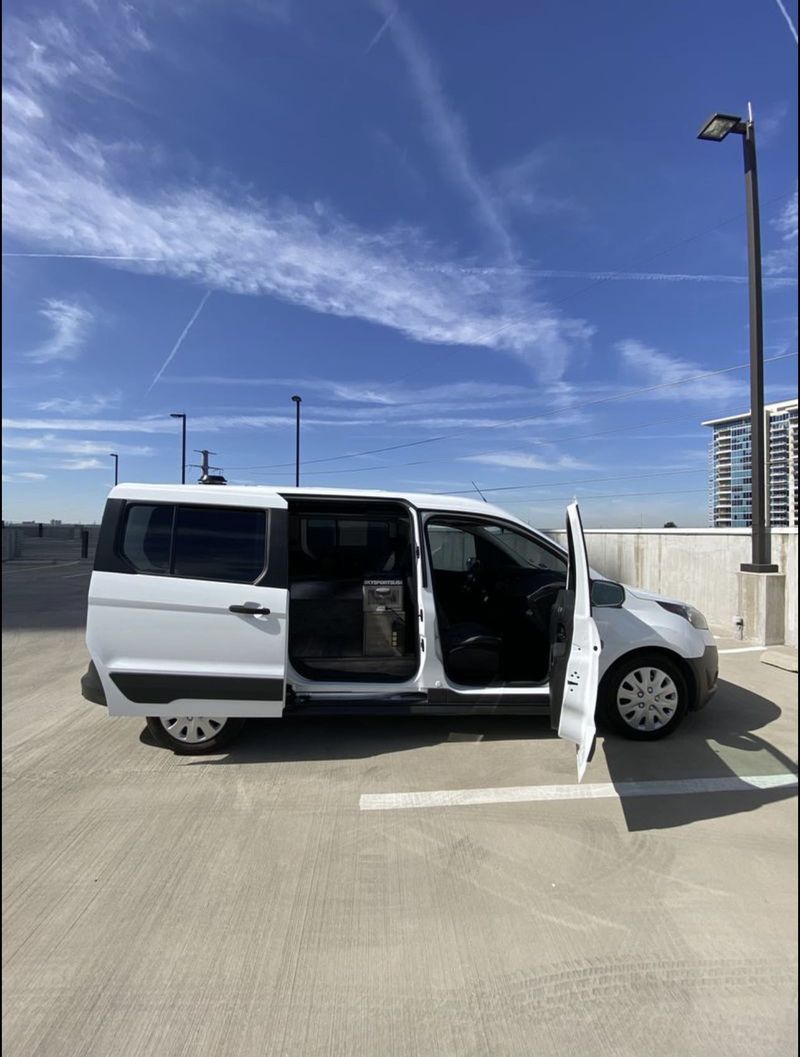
<point x="211" y="605"/>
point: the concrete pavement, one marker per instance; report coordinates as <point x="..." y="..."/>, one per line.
<point x="244" y="904"/>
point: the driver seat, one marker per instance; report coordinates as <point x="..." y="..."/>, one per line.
<point x="471" y="652"/>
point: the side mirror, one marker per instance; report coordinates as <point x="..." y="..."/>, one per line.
<point x="608" y="594"/>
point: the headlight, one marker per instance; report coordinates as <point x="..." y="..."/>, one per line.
<point x="694" y="616"/>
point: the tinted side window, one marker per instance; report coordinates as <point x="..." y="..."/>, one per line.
<point x="452" y="548"/>
<point x="219" y="543"/>
<point x="146" y="536"/>
<point x="529" y="550"/>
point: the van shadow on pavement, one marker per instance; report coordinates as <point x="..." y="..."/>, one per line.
<point x="718" y="742"/>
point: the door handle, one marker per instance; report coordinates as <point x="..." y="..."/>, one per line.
<point x="250" y="611"/>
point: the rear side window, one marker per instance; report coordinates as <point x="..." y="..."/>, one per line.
<point x="146" y="537"/>
<point x="219" y="543"/>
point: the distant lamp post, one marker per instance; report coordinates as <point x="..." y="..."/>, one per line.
<point x="115" y="457"/>
<point x="182" y="417"/>
<point x="297" y="402"/>
<point x="716" y="129"/>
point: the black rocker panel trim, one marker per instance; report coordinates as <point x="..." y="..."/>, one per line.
<point x="146" y="689"/>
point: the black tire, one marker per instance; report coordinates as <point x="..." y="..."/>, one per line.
<point x="220" y="733"/>
<point x="632" y="707"/>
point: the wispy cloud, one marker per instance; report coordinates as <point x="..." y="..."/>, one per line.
<point x="149" y="424"/>
<point x="371" y="402"/>
<point x="57" y="202"/>
<point x="518" y="460"/>
<point x="52" y="444"/>
<point x="181" y="338"/>
<point x="444" y="127"/>
<point x="82" y="464"/>
<point x="70" y="324"/>
<point x="23" y="477"/>
<point x="784" y="259"/>
<point x="519" y="184"/>
<point x="430" y="418"/>
<point x="649" y="366"/>
<point x="79" y="405"/>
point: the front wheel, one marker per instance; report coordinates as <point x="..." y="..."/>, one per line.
<point x="644" y="698"/>
<point x="193" y="735"/>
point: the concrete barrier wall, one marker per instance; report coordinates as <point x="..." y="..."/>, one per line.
<point x="57" y="542"/>
<point x="698" y="566"/>
<point x="12" y="543"/>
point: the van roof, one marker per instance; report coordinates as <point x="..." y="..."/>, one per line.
<point x="228" y="494"/>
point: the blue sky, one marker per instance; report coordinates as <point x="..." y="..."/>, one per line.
<point x="484" y="237"/>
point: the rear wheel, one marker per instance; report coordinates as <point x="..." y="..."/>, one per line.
<point x="644" y="698"/>
<point x="193" y="735"/>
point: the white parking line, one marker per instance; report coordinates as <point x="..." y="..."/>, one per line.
<point x="744" y="649"/>
<point x="597" y="791"/>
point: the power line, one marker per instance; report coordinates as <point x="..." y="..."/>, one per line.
<point x="624" y="395"/>
<point x="618" y="495"/>
<point x="561" y="439"/>
<point x="570" y="484"/>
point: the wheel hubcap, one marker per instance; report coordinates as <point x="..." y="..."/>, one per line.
<point x="647" y="699"/>
<point x="193" y="730"/>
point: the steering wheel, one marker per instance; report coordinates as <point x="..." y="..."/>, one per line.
<point x="540" y="602"/>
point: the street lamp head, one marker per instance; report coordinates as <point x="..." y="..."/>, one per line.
<point x="719" y="125"/>
<point x="297" y="399"/>
<point x="176" y="414"/>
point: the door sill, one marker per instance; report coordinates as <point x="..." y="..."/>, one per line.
<point x="431" y="703"/>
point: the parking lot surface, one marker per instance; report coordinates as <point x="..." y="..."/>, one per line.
<point x="256" y="902"/>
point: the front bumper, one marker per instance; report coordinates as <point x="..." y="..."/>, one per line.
<point x="705" y="670"/>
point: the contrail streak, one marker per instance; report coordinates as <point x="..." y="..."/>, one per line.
<point x="180" y="340"/>
<point x="686" y="277"/>
<point x="85" y="256"/>
<point x="788" y="18"/>
<point x="386" y="23"/>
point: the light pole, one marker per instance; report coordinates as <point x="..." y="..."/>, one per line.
<point x="182" y="417"/>
<point x="115" y="457"/>
<point x="716" y="129"/>
<point x="297" y="402"/>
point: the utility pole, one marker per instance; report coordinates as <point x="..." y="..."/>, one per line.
<point x="204" y="465"/>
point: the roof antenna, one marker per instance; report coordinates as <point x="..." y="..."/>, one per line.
<point x="480" y="493"/>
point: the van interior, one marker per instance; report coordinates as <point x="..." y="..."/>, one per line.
<point x="494" y="589"/>
<point x="352" y="591"/>
<point x="353" y="596"/>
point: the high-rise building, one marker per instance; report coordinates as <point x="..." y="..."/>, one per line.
<point x="730" y="481"/>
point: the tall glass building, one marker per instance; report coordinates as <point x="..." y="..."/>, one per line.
<point x="730" y="481"/>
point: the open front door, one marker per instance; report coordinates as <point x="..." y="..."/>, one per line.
<point x="574" y="650"/>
